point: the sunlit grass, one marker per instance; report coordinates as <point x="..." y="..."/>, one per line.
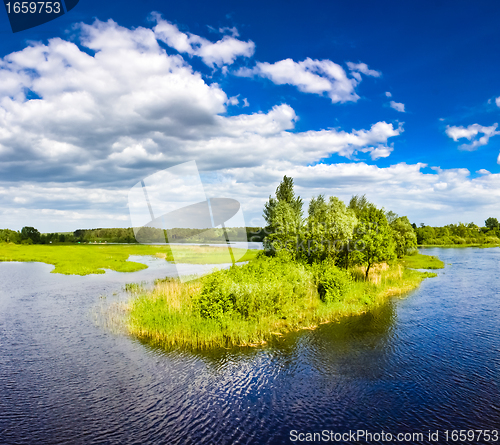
<point x="87" y="259"/>
<point x="420" y="261"/>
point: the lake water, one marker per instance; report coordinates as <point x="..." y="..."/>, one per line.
<point x="430" y="361"/>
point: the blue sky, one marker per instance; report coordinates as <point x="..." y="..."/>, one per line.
<point x="397" y="100"/>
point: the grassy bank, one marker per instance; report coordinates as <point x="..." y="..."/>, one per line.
<point x="262" y="300"/>
<point x="87" y="259"/>
<point x="420" y="261"/>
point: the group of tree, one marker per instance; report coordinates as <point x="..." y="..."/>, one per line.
<point x="30" y="235"/>
<point x="357" y="233"/>
<point x="459" y="234"/>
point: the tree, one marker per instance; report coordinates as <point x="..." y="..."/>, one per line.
<point x="284" y="193"/>
<point x="329" y="229"/>
<point x="283" y="215"/>
<point x="358" y="204"/>
<point x="391" y="216"/>
<point x="425" y="235"/>
<point x="492" y="223"/>
<point x="311" y="244"/>
<point x="404" y="236"/>
<point x="373" y="238"/>
<point x="9" y="236"/>
<point x="287" y="224"/>
<point x="340" y="222"/>
<point x="317" y="209"/>
<point x="30" y="233"/>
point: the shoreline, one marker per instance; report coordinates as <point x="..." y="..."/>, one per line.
<point x="448" y="246"/>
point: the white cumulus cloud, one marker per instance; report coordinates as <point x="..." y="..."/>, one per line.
<point x="362" y="68"/>
<point x="112" y="106"/>
<point x="312" y="76"/>
<point x="471" y="133"/>
<point x="397" y="106"/>
<point x="220" y="53"/>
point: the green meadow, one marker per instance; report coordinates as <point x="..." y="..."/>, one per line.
<point x="85" y="259"/>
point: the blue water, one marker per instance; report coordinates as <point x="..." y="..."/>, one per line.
<point x="430" y="361"/>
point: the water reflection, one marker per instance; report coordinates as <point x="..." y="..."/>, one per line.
<point x="430" y="361"/>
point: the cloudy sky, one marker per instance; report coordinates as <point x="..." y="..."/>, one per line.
<point x="396" y="100"/>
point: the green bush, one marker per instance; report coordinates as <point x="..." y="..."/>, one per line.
<point x="333" y="283"/>
<point x="215" y="299"/>
<point x="266" y="286"/>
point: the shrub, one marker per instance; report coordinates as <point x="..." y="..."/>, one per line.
<point x="266" y="286"/>
<point x="332" y="282"/>
<point x="214" y="300"/>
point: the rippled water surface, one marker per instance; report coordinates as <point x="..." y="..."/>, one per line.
<point x="430" y="361"/>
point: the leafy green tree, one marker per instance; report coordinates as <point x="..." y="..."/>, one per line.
<point x="330" y="228"/>
<point x="492" y="223"/>
<point x="317" y="210"/>
<point x="284" y="193"/>
<point x="311" y="243"/>
<point x="30" y="233"/>
<point x="373" y="238"/>
<point x="287" y="224"/>
<point x="391" y="216"/>
<point x="283" y="215"/>
<point x="359" y="204"/>
<point x="9" y="236"/>
<point x="341" y="222"/>
<point x="425" y="234"/>
<point x="404" y="236"/>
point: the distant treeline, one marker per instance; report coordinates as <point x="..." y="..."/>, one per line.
<point x="452" y="234"/>
<point x="459" y="234"/>
<point x="30" y="235"/>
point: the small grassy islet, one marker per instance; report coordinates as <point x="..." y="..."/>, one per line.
<point x="251" y="304"/>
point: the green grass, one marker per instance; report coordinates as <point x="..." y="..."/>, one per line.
<point x="420" y="261"/>
<point x="85" y="259"/>
<point x="258" y="302"/>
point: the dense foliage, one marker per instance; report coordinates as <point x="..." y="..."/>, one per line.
<point x="459" y="234"/>
<point x="264" y="287"/>
<point x="359" y="233"/>
<point x="332" y="283"/>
